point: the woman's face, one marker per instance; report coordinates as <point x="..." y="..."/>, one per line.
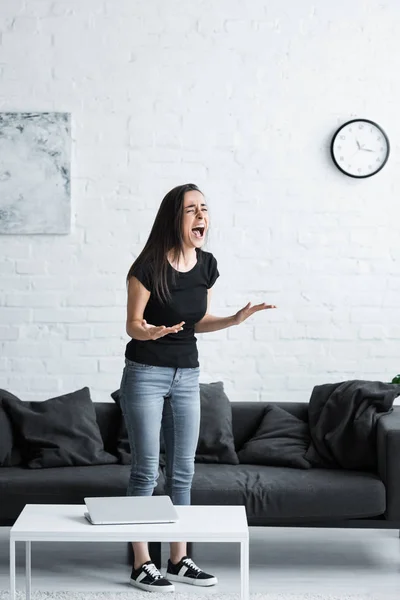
<point x="194" y="220"/>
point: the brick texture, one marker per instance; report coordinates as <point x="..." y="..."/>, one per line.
<point x="241" y="98"/>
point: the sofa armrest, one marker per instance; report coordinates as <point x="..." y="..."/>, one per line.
<point x="388" y="448"/>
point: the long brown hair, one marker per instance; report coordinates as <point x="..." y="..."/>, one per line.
<point x="165" y="236"/>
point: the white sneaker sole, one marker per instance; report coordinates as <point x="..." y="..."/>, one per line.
<point x="163" y="589"/>
<point x="190" y="581"/>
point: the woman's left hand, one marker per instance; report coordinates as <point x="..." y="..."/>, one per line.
<point x="248" y="310"/>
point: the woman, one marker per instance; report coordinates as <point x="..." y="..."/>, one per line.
<point x="169" y="292"/>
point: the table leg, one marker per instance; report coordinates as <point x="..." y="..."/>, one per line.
<point x="28" y="571"/>
<point x="244" y="570"/>
<point x="12" y="569"/>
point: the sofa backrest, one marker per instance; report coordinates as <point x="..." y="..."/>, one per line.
<point x="246" y="417"/>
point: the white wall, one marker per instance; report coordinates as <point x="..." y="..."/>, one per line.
<point x="241" y="98"/>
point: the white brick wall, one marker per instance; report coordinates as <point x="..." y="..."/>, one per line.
<point x="241" y="98"/>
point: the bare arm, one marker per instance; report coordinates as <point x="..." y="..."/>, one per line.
<point x="136" y="326"/>
<point x="211" y="323"/>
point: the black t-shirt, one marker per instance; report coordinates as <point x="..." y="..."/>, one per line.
<point x="188" y="303"/>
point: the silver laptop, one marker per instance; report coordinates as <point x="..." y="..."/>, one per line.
<point x="120" y="510"/>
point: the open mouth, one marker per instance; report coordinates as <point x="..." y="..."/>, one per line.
<point x="199" y="231"/>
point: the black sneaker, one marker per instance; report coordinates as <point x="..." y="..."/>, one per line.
<point x="186" y="571"/>
<point x="148" y="577"/>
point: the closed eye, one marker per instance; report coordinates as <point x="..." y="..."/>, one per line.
<point x="192" y="211"/>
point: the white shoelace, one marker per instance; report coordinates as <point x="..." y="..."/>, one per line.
<point x="152" y="570"/>
<point x="189" y="563"/>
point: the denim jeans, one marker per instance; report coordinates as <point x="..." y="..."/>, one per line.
<point x="151" y="398"/>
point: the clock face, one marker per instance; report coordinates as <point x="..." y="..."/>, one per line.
<point x="360" y="148"/>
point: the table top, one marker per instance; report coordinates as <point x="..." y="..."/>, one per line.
<point x="66" y="522"/>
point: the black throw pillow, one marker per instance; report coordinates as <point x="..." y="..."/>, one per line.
<point x="9" y="454"/>
<point x="215" y="444"/>
<point x="123" y="447"/>
<point x="60" y="432"/>
<point x="281" y="440"/>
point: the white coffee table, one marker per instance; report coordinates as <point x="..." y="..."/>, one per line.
<point x="66" y="523"/>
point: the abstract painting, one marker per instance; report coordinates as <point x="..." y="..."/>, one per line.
<point x="35" y="170"/>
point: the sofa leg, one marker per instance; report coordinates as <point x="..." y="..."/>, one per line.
<point x="154" y="551"/>
<point x="130" y="557"/>
<point x="190" y="546"/>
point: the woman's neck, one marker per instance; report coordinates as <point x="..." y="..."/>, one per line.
<point x="186" y="261"/>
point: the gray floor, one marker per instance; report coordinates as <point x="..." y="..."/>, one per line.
<point x="288" y="560"/>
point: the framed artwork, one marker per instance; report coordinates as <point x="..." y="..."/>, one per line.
<point x="35" y="171"/>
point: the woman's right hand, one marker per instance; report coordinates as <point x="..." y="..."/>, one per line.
<point x="155" y="332"/>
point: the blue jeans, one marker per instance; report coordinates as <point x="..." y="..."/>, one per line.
<point x="151" y="398"/>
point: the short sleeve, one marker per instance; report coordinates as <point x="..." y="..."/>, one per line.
<point x="213" y="272"/>
<point x="143" y="274"/>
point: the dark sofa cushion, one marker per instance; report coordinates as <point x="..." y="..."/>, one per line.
<point x="281" y="440"/>
<point x="123" y="448"/>
<point x="247" y="416"/>
<point x="59" y="432"/>
<point x="62" y="485"/>
<point x="274" y="494"/>
<point x="108" y="419"/>
<point x="215" y="444"/>
<point x="9" y="454"/>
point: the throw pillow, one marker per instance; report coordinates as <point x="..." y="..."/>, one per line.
<point x="9" y="454"/>
<point x="215" y="444"/>
<point x="281" y="440"/>
<point x="60" y="432"/>
<point x="123" y="447"/>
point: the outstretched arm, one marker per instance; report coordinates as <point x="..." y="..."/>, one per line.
<point x="211" y="323"/>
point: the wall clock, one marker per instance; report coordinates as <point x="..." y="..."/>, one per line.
<point x="360" y="148"/>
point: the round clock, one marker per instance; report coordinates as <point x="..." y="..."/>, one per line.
<point x="360" y="148"/>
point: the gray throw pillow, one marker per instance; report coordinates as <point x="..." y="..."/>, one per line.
<point x="281" y="440"/>
<point x="60" y="432"/>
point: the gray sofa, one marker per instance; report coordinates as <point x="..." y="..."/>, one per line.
<point x="273" y="496"/>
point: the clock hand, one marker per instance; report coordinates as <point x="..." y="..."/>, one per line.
<point x="367" y="150"/>
<point x="359" y="147"/>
